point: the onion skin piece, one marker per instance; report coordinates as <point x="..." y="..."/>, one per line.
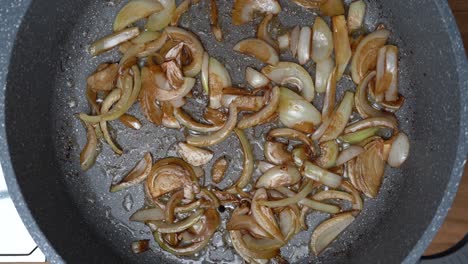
<point x="316" y="173"/>
<point x="255" y="78"/>
<point x="290" y="73"/>
<point x="134" y="11"/>
<point x="322" y="41"/>
<point x="332" y="8"/>
<point x="356" y="13"/>
<point x="218" y="136"/>
<point x="280" y="175"/>
<point x="341" y="43"/>
<point x="264" y="216"/>
<point x="190" y="41"/>
<point x="161" y="19"/>
<point x="140" y="246"/>
<point x="339" y="118"/>
<point x="258" y="49"/>
<point x="137" y="175"/>
<point x="108" y="42"/>
<point x="264" y="113"/>
<point x="323" y="71"/>
<point x="399" y="150"/>
<point x="193" y="155"/>
<point x="184" y="119"/>
<point x="329" y="154"/>
<point x="219" y="169"/>
<point x="276" y="153"/>
<point x="328" y="230"/>
<point x="218" y="78"/>
<point x="148" y="214"/>
<point x="303" y="47"/>
<point x="90" y="152"/>
<point x="365" y="57"/>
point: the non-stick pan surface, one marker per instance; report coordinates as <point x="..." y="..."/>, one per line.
<point x="74" y="217"/>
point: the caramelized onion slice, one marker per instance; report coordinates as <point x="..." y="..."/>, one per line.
<point x="316" y="173"/>
<point x="339" y="118"/>
<point x="264" y="113"/>
<point x="264" y="215"/>
<point x="357" y="10"/>
<point x="219" y="169"/>
<point x="108" y="42"/>
<point x="134" y="11"/>
<point x="148" y="214"/>
<point x="193" y="155"/>
<point x="276" y="153"/>
<point x="281" y="175"/>
<point x="328" y="230"/>
<point x="184" y="119"/>
<point x="190" y="41"/>
<point x="258" y="49"/>
<point x="341" y="43"/>
<point x="218" y="79"/>
<point x="243" y="10"/>
<point x="136" y="175"/>
<point x="263" y="32"/>
<point x="332" y="8"/>
<point x="90" y="151"/>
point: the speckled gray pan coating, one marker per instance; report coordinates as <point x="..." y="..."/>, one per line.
<point x="73" y="217"/>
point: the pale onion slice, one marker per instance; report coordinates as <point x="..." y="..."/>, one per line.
<point x="330" y="95"/>
<point x="309" y="3"/>
<point x="263" y="32"/>
<point x="288" y="222"/>
<point x="193" y="155"/>
<point x="248" y="164"/>
<point x="258" y="49"/>
<point x="303" y="47"/>
<point x="294" y="42"/>
<point x="134" y="11"/>
<point x="281" y="175"/>
<point x="153" y="46"/>
<point x="293" y="199"/>
<point x="295" y="112"/>
<point x="357" y="200"/>
<point x="276" y="153"/>
<point x="243" y="10"/>
<point x="218" y="136"/>
<point x="290" y="134"/>
<point x="319" y="206"/>
<point x="165" y="228"/>
<point x="283" y="41"/>
<point x="264" y="113"/>
<point x="328" y="154"/>
<point x="191" y="42"/>
<point x="90" y="151"/>
<point x="381" y="85"/>
<point x="146" y="37"/>
<point x="365" y="57"/>
<point x="391" y="68"/>
<point x="255" y="78"/>
<point x="108" y="42"/>
<point x="161" y="19"/>
<point x="218" y="78"/>
<point x="358" y="136"/>
<point x="136" y="175"/>
<point x="316" y="173"/>
<point x="333" y="194"/>
<point x="204" y="72"/>
<point x="261" y="243"/>
<point x="246" y="222"/>
<point x="322" y="41"/>
<point x="328" y="231"/>
<point x="399" y="150"/>
<point x="263" y="166"/>
<point x="332" y="8"/>
<point x="341" y="43"/>
<point x="348" y="154"/>
<point x="264" y="215"/>
<point x="339" y="118"/>
<point x="184" y="119"/>
<point x="356" y="13"/>
<point x="389" y="122"/>
<point x="110" y="99"/>
<point x="171" y="95"/>
<point x="149" y="214"/>
<point x="322" y="74"/>
<point x="299" y="155"/>
<point x="361" y="101"/>
<point x="179" y="11"/>
<point x="290" y="73"/>
<point x="219" y="169"/>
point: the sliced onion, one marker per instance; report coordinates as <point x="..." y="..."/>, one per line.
<point x="283" y="41"/>
<point x="90" y="152"/>
<point x="303" y="47"/>
<point x="281" y="175"/>
<point x="187" y="121"/>
<point x="328" y="154"/>
<point x="243" y="10"/>
<point x="289" y="133"/>
<point x="362" y="104"/>
<point x="218" y="136"/>
<point x="263" y="33"/>
<point x="215" y="27"/>
<point x="294" y="42"/>
<point x="263" y="166"/>
<point x="391" y="69"/>
<point x="151" y="47"/>
<point x="261" y="243"/>
<point x="357" y="10"/>
<point x="190" y="41"/>
<point x="330" y="95"/>
<point x="288" y="221"/>
<point x="359" y="136"/>
<point x="322" y="41"/>
<point x="136" y="175"/>
<point x="399" y="151"/>
<point x="205" y="72"/>
<point x="264" y="215"/>
<point x="291" y="200"/>
<point x="357" y="200"/>
<point x="249" y="254"/>
<point x="248" y="164"/>
<point x="290" y="73"/>
<point x="339" y="118"/>
<point x="218" y="78"/>
<point x="258" y="49"/>
<point x="140" y="246"/>
<point x="188" y="250"/>
<point x="219" y="169"/>
<point x="332" y="8"/>
<point x="365" y="57"/>
<point x="147" y="99"/>
<point x="276" y="153"/>
<point x="145" y="37"/>
<point x="244" y="102"/>
<point x="255" y="78"/>
<point x="295" y="112"/>
<point x="163" y="227"/>
<point x="333" y="194"/>
<point x="130" y="121"/>
<point x="171" y="95"/>
<point x="215" y="117"/>
<point x="389" y="122"/>
<point x="108" y="42"/>
<point x="111" y="98"/>
<point x="181" y="9"/>
<point x="149" y="214"/>
<point x="341" y="43"/>
<point x="104" y="78"/>
<point x="328" y="230"/>
<point x="299" y="155"/>
<point x="348" y="154"/>
<point x="246" y="222"/>
<point x="316" y="173"/>
<point x="161" y="19"/>
<point x="319" y="206"/>
<point x="322" y="74"/>
<point x="264" y="113"/>
<point x="134" y="11"/>
<point x="193" y="155"/>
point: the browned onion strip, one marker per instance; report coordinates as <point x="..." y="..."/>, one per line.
<point x="264" y="215"/>
<point x="357" y="200"/>
<point x="137" y="175"/>
<point x="332" y="8"/>
<point x="243" y="10"/>
<point x="130" y="121"/>
<point x="333" y="194"/>
<point x="258" y="49"/>
<point x="291" y="200"/>
<point x="261" y="243"/>
<point x="169" y="211"/>
<point x="187" y="121"/>
<point x="90" y="151"/>
<point x="215" y="27"/>
<point x="339" y="118"/>
<point x="148" y="214"/>
<point x="330" y="96"/>
<point x="276" y="153"/>
<point x="246" y="222"/>
<point x="389" y="122"/>
<point x="215" y="117"/>
<point x="361" y="101"/>
<point x="218" y="136"/>
<point x="140" y="246"/>
<point x="248" y="166"/>
<point x="243" y="102"/>
<point x="263" y="33"/>
<point x="341" y="43"/>
<point x="219" y="169"/>
<point x="319" y="206"/>
<point x="191" y="42"/>
<point x="309" y="3"/>
<point x="291" y="134"/>
<point x="148" y="105"/>
<point x="111" y="98"/>
<point x="263" y="114"/>
<point x="281" y="175"/>
<point x="108" y="42"/>
<point x="180" y="10"/>
<point x="328" y="230"/>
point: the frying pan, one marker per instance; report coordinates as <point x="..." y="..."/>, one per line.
<point x="74" y="218"/>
